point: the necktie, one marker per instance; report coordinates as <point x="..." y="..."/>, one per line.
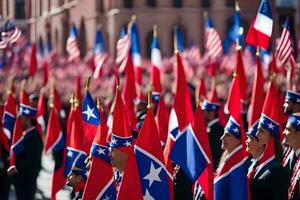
<point x="294" y="179"/>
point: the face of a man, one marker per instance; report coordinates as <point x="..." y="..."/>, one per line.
<point x="287" y="107"/>
<point x="263" y="136"/>
<point x="252" y="145"/>
<point x="229" y="142"/>
<point x="71" y="179"/>
<point x="291" y="136"/>
<point x="118" y="158"/>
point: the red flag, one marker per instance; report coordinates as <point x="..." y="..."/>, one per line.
<point x="201" y="90"/>
<point x="182" y="102"/>
<point x="78" y="91"/>
<point x="207" y="176"/>
<point x="17" y="145"/>
<point x="258" y="96"/>
<point x="241" y="75"/>
<point x="55" y="142"/>
<point x="56" y="99"/>
<point x="33" y="62"/>
<point x="46" y="72"/>
<point x="129" y="91"/>
<point x="130" y="187"/>
<point x="162" y="120"/>
<point x="41" y="111"/>
<point x="96" y="188"/>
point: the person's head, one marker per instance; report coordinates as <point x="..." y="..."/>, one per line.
<point x="76" y="175"/>
<point x="118" y="158"/>
<point x="291" y="132"/>
<point x="28" y="109"/>
<point x="291" y="103"/>
<point x="232" y="135"/>
<point x="252" y="146"/>
<point x="210" y="110"/>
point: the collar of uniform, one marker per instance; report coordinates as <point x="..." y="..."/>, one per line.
<point x="259" y="158"/>
<point x="28" y="130"/>
<point x="212" y="122"/>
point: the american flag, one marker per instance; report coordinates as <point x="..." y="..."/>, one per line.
<point x="99" y="54"/>
<point x="72" y="46"/>
<point x="213" y="43"/>
<point x="10" y="34"/>
<point x="285" y="50"/>
<point x="123" y="47"/>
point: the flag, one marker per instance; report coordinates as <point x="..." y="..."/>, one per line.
<point x="213" y="43"/>
<point x="206" y="177"/>
<point x="91" y="119"/>
<point x="123" y="49"/>
<point x="187" y="152"/>
<point x="257" y="98"/>
<point x="178" y="39"/>
<point x="55" y="143"/>
<point x="201" y="90"/>
<point x="149" y="156"/>
<point x="41" y="111"/>
<point x="285" y="49"/>
<point x="162" y="120"/>
<point x="241" y="76"/>
<point x="33" y="62"/>
<point x="26" y="109"/>
<point x="130" y="187"/>
<point x="78" y="89"/>
<point x="9" y="118"/>
<point x="99" y="54"/>
<point x="72" y="46"/>
<point x="235" y="31"/>
<point x="90" y="113"/>
<point x="156" y="62"/>
<point x="100" y="183"/>
<point x="260" y="31"/>
<point x="10" y="34"/>
<point x="18" y="142"/>
<point x="76" y="149"/>
<point x="46" y="72"/>
<point x="129" y="91"/>
<point x="136" y="51"/>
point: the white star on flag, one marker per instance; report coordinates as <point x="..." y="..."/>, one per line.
<point x="127" y="143"/>
<point x="70" y="154"/>
<point x="113" y="140"/>
<point x="236" y="130"/>
<point x="153" y="174"/>
<point x="271" y="126"/>
<point x="147" y="196"/>
<point x="298" y="122"/>
<point x="106" y="197"/>
<point x="89" y="113"/>
<point x="26" y="111"/>
<point x="101" y="151"/>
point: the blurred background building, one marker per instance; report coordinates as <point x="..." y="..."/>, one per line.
<point x="48" y="21"/>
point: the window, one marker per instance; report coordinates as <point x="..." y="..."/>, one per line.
<point x="148" y="43"/>
<point x="128" y="3"/>
<point x="19" y="9"/>
<point x="151" y="3"/>
<point x="205" y="3"/>
<point x="177" y="3"/>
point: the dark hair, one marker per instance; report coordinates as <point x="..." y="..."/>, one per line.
<point x="278" y="148"/>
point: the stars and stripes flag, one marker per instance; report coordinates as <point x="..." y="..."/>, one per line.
<point x="9" y="34"/>
<point x="213" y="43"/>
<point x="260" y="31"/>
<point x="72" y="46"/>
<point x="285" y="49"/>
<point x="156" y="62"/>
<point x="99" y="54"/>
<point x="123" y="49"/>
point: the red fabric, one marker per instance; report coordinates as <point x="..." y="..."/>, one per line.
<point x="130" y="187"/>
<point x="78" y="89"/>
<point x="17" y="135"/>
<point x="258" y="94"/>
<point x="33" y="62"/>
<point x="53" y="130"/>
<point x="129" y="91"/>
<point x="77" y="139"/>
<point x="241" y="76"/>
<point x="58" y="179"/>
<point x="206" y="178"/>
<point x="202" y="89"/>
<point x="162" y="120"/>
<point x="257" y="38"/>
<point x="155" y="78"/>
<point x="46" y="72"/>
<point x="182" y="101"/>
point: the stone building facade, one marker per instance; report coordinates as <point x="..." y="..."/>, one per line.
<point x="49" y="20"/>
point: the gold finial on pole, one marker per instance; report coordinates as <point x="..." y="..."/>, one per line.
<point x="87" y="85"/>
